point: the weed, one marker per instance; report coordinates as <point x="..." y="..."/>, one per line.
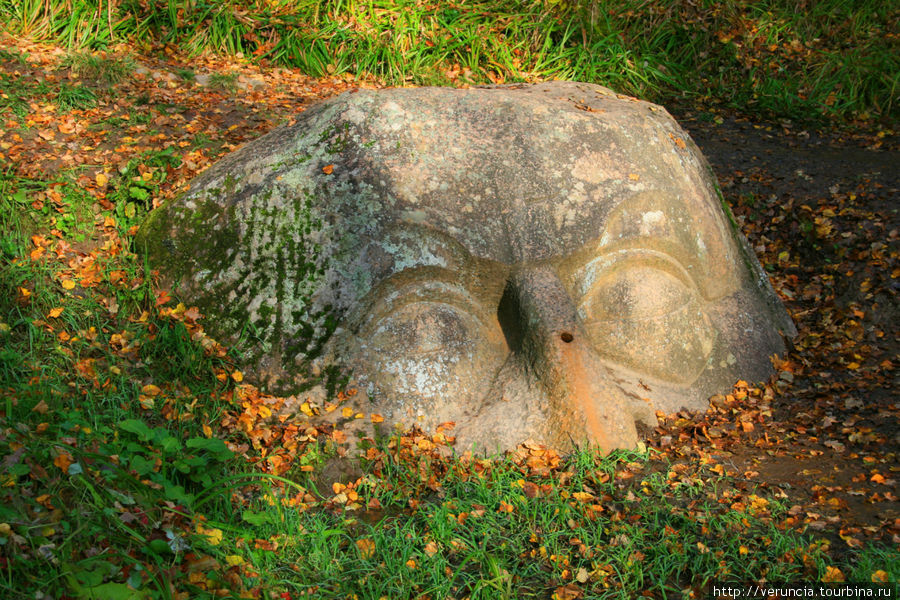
<point x="78" y="97"/>
<point x="226" y="82"/>
<point x="101" y="69"/>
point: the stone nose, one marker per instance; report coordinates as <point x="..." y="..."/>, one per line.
<point x="542" y="327"/>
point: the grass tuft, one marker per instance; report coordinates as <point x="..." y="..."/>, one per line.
<point x="832" y="59"/>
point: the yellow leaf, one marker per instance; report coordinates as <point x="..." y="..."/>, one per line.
<point x="265" y="412"/>
<point x="233" y="560"/>
<point x="207" y="430"/>
<point x="879" y="576"/>
<point x="366" y="547"/>
<point x="150" y="390"/>
<point x="213" y="536"/>
<point x="376" y="418"/>
<point x="238" y="377"/>
<point x="832" y="574"/>
<point x="431" y="549"/>
<point x="63" y="460"/>
<point x="101" y="179"/>
<point x="411" y="564"/>
<point x="306" y="409"/>
<point x="743" y="550"/>
<point x="68" y="284"/>
<point x="347" y="412"/>
<point x="25" y="292"/>
<point x="55" y="312"/>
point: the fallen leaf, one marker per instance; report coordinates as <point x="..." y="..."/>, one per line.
<point x="328" y="169"/>
<point x="567" y="592"/>
<point x="150" y="390"/>
<point x="63" y="460"/>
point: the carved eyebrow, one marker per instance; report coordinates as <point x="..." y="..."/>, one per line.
<point x="584" y="275"/>
<point x="440" y="285"/>
<point x="412" y="245"/>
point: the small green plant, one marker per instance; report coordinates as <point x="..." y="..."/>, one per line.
<point x="102" y="69"/>
<point x="75" y="97"/>
<point x="186" y="74"/>
<point x="226" y="82"/>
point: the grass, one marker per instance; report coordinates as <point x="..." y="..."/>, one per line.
<point x="98" y="68"/>
<point x="834" y="59"/>
<point x="135" y="466"/>
<point x="116" y="486"/>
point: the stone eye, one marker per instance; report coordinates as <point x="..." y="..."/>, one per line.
<point x="424" y="351"/>
<point x="635" y="294"/>
<point x="650" y="320"/>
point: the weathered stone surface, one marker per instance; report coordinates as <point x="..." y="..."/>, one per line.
<point x="544" y="261"/>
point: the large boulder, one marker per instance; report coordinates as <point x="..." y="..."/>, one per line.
<point x="549" y="261"/>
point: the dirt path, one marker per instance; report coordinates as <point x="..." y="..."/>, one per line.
<point x="821" y="210"/>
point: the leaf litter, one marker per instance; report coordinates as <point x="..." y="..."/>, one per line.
<point x="820" y="436"/>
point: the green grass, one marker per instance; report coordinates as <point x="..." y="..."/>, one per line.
<point x="97" y="68"/>
<point x="834" y="59"/>
<point x="226" y="82"/>
<point x="113" y="487"/>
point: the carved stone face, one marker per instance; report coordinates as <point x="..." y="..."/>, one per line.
<point x="548" y="262"/>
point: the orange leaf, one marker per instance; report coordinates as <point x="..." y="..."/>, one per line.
<point x="832" y="574"/>
<point x="63" y="460"/>
<point x="55" y="312"/>
<point x="150" y="390"/>
<point x="879" y="576"/>
<point x="328" y="169"/>
<point x="237" y="376"/>
<point x="162" y="298"/>
<point x="366" y="547"/>
<point x="567" y="592"/>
